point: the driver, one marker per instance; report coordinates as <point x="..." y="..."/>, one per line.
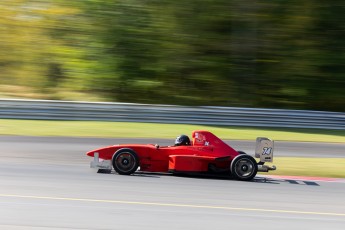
<point x="182" y="140"/>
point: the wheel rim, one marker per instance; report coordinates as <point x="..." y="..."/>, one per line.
<point x="125" y="162"/>
<point x="244" y="168"/>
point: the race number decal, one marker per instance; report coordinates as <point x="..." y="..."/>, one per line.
<point x="266" y="150"/>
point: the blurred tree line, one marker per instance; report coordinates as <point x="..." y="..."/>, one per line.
<point x="272" y="54"/>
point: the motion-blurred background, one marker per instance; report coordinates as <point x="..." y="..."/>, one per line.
<point x="272" y="54"/>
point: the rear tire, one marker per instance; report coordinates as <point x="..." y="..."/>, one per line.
<point x="125" y="161"/>
<point x="243" y="167"/>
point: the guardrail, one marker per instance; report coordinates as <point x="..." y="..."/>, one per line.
<point x="203" y="115"/>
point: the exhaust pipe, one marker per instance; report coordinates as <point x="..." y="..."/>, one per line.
<point x="265" y="168"/>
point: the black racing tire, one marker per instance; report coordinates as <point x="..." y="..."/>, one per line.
<point x="243" y="167"/>
<point x="241" y="152"/>
<point x="125" y="161"/>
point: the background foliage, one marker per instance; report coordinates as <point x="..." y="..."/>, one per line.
<point x="278" y="54"/>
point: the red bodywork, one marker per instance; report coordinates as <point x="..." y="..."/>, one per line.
<point x="205" y="150"/>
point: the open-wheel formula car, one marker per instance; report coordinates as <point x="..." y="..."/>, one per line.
<point x="206" y="153"/>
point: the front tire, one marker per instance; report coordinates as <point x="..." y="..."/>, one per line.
<point x="243" y="167"/>
<point x="125" y="161"/>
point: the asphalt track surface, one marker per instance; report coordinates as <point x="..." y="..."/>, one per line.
<point x="46" y="183"/>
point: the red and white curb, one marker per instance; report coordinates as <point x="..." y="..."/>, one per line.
<point x="305" y="178"/>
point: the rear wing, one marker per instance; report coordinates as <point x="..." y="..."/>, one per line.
<point x="264" y="149"/>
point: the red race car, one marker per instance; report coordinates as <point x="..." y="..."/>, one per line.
<point x="206" y="153"/>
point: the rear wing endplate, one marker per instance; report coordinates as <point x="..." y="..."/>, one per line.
<point x="264" y="149"/>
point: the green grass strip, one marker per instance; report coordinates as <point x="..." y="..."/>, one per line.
<point x="318" y="167"/>
<point x="154" y="130"/>
<point x="323" y="167"/>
